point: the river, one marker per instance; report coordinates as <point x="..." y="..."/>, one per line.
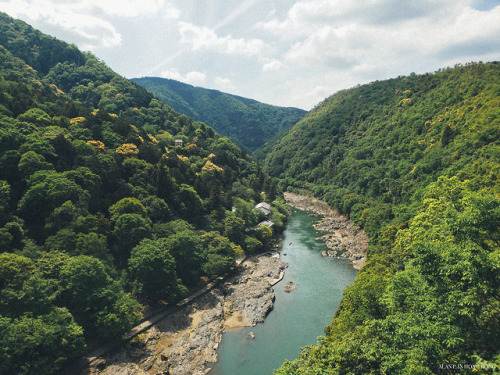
<point x="299" y="317"/>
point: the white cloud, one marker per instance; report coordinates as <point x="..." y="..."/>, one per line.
<point x="242" y="8"/>
<point x="304" y="16"/>
<point x="193" y="78"/>
<point x="308" y="96"/>
<point x="98" y="8"/>
<point x="124" y="8"/>
<point x="272" y="65"/>
<point x="203" y="38"/>
<point x="172" y="13"/>
<point x="172" y="74"/>
<point x="196" y="78"/>
<point x="342" y="35"/>
<point x="85" y="22"/>
<point x="223" y="84"/>
<point x="337" y="44"/>
<point x="85" y="29"/>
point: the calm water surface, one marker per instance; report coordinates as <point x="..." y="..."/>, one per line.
<point x="299" y="317"/>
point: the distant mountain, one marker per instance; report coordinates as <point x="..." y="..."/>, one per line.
<point x="247" y="122"/>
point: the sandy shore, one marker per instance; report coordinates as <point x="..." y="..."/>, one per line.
<point x="186" y="342"/>
<point x="342" y="237"/>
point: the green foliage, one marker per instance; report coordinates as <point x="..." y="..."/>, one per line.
<point x="129" y="230"/>
<point x="88" y="173"/>
<point x="439" y="304"/>
<point x="31" y="162"/>
<point x="415" y="162"/>
<point x="127" y="206"/>
<point x="187" y="250"/>
<point x="365" y="154"/>
<point x="39" y="345"/>
<point x="95" y="300"/>
<point x="4" y="197"/>
<point x="35" y="116"/>
<point x="154" y="268"/>
<point x="247" y="122"/>
<point x="219" y="254"/>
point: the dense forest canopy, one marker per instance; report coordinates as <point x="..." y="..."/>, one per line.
<point x="102" y="213"/>
<point x="247" y="122"/>
<point x="415" y="161"/>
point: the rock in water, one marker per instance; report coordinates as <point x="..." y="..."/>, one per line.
<point x="290" y="286"/>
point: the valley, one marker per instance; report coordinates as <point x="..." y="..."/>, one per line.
<point x="247" y="122"/>
<point x="114" y="204"/>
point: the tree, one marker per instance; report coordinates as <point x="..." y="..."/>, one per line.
<point x="12" y="267"/>
<point x="219" y="253"/>
<point x="41" y="344"/>
<point x="4" y="198"/>
<point x="190" y="204"/>
<point x="62" y="216"/>
<point x="96" y="301"/>
<point x="187" y="251"/>
<point x="36" y="116"/>
<point x="93" y="244"/>
<point x="47" y="190"/>
<point x="129" y="230"/>
<point x="127" y="206"/>
<point x="157" y="208"/>
<point x="154" y="268"/>
<point x="234" y="228"/>
<point x="23" y="289"/>
<point x="31" y="162"/>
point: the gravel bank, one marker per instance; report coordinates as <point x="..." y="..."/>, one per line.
<point x="186" y="342"/>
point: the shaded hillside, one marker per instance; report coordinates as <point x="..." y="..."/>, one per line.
<point x="247" y="122"/>
<point x="101" y="214"/>
<point x="415" y="161"/>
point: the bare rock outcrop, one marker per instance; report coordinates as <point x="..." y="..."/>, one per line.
<point x="186" y="342"/>
<point x="290" y="287"/>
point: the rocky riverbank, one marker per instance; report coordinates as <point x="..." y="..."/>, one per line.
<point x="342" y="236"/>
<point x="186" y="342"/>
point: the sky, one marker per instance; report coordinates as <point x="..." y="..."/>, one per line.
<point x="290" y="53"/>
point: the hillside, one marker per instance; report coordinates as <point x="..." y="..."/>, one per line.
<point x="416" y="162"/>
<point x="247" y="122"/>
<point x="102" y="214"/>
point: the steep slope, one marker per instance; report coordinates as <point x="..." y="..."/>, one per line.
<point x="246" y="122"/>
<point x="414" y="160"/>
<point x="382" y="143"/>
<point x="101" y="212"/>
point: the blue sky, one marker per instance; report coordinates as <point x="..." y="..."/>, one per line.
<point x="286" y="52"/>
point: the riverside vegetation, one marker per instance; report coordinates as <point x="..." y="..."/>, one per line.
<point x="101" y="214"/>
<point x="415" y="161"/>
<point x="96" y="198"/>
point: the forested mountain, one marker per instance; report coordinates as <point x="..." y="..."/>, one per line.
<point x="101" y="213"/>
<point x="247" y="122"/>
<point x="416" y="162"/>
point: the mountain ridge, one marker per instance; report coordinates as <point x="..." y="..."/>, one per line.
<point x="248" y="122"/>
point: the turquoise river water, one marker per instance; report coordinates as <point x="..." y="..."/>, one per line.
<point x="299" y="317"/>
